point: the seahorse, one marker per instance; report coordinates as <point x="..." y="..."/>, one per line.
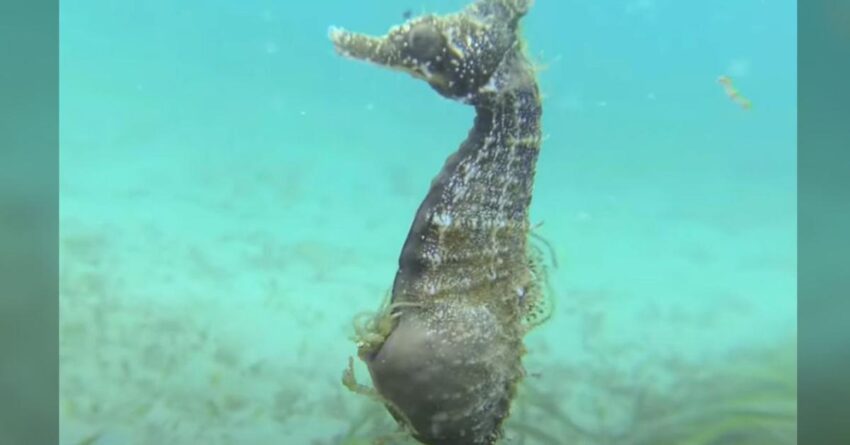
<point x="445" y="353"/>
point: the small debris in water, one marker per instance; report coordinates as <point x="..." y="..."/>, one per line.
<point x="733" y="93"/>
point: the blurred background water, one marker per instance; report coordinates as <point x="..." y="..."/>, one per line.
<point x="233" y="193"/>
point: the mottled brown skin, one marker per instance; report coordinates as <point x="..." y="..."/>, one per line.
<point x="465" y="288"/>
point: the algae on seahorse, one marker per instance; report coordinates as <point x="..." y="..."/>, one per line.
<point x="447" y="356"/>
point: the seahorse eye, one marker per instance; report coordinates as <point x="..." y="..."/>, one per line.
<point x="425" y="42"/>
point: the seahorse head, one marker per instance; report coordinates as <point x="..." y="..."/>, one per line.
<point x="457" y="54"/>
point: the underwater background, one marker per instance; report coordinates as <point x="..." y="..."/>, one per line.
<point x="233" y="193"/>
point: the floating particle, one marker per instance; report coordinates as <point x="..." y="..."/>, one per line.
<point x="733" y="93"/>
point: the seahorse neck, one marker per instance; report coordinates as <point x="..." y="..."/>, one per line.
<point x="504" y="143"/>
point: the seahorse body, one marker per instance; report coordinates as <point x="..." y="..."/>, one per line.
<point x="466" y="289"/>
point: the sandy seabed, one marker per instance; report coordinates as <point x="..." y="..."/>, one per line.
<point x="213" y="305"/>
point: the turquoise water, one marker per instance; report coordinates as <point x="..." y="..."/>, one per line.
<point x="233" y="193"/>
